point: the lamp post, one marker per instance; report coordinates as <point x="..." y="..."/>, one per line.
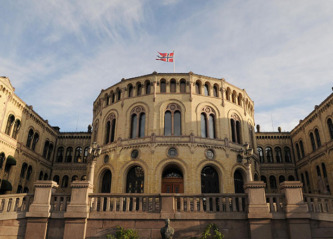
<point x="247" y="153"/>
<point x="94" y="151"/>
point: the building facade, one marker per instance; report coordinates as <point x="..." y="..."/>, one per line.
<point x="165" y="133"/>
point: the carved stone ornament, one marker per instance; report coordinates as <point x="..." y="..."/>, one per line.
<point x="208" y="110"/>
<point x="235" y="117"/>
<point x="173" y="107"/>
<point x="167" y="231"/>
<point x="137" y="110"/>
<point x="111" y="117"/>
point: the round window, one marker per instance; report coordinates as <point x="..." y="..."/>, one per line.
<point x="210" y="154"/>
<point x="172" y="152"/>
<point x="134" y="154"/>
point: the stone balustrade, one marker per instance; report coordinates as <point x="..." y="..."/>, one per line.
<point x="319" y="203"/>
<point x="275" y="202"/>
<point x="14" y="205"/>
<point x="59" y="202"/>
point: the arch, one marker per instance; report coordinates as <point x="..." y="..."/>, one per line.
<point x="10" y="122"/>
<point x="172" y="179"/>
<point x="235" y="124"/>
<point x="208" y="118"/>
<point x="198" y="87"/>
<point x="78" y="155"/>
<point x="240" y="99"/>
<point x="227" y="94"/>
<point x="291" y="178"/>
<point x="29" y="138"/>
<point x="130" y="90"/>
<point x="206" y="89"/>
<point x="50" y="151"/>
<point x="69" y="156"/>
<point x="135" y="180"/>
<point x="269" y="154"/>
<point x="110" y="128"/>
<point x="118" y="92"/>
<point x="16" y="129"/>
<point x="281" y="179"/>
<point x="239" y="181"/>
<point x="35" y="141"/>
<point x="278" y="154"/>
<point x="85" y="154"/>
<point x="138" y="122"/>
<point x="298" y="152"/>
<point x="215" y="90"/>
<point x="60" y="154"/>
<point x="172" y="120"/>
<point x="74" y="178"/>
<point x="234" y="95"/>
<point x="138" y="89"/>
<point x="182" y="86"/>
<point x="173" y="86"/>
<point x="209" y="180"/>
<point x="46" y="176"/>
<point x="287" y="155"/>
<point x="162" y="86"/>
<point x="46" y="148"/>
<point x="106" y="181"/>
<point x="264" y="179"/>
<point x="147" y="87"/>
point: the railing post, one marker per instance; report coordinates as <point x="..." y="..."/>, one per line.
<point x="77" y="210"/>
<point x="39" y="210"/>
<point x="296" y="210"/>
<point x="167" y="206"/>
<point x="258" y="211"/>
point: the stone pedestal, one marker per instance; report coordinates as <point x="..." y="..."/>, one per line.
<point x="39" y="211"/>
<point x="78" y="210"/>
<point x="296" y="210"/>
<point x="167" y="206"/>
<point x="258" y="210"/>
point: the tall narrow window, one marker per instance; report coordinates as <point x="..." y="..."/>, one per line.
<point x="64" y="182"/>
<point x="23" y="169"/>
<point x="110" y="128"/>
<point x="148" y="85"/>
<point x="325" y="177"/>
<point x="206" y="90"/>
<point x="107" y="132"/>
<point x="135" y="180"/>
<point x="49" y="153"/>
<point x="234" y="95"/>
<point x="41" y="175"/>
<point x="227" y="94"/>
<point x="287" y="155"/>
<point x="113" y="129"/>
<point x="60" y="154"/>
<point x="138" y="122"/>
<point x="308" y="181"/>
<point x="16" y="129"/>
<point x="29" y="172"/>
<point x="172" y="120"/>
<point x="208" y="123"/>
<point x="173" y="86"/>
<point x="261" y="154"/>
<point x="29" y="139"/>
<point x="35" y="141"/>
<point x="113" y="97"/>
<point x="46" y="148"/>
<point x="313" y="144"/>
<point x="85" y="154"/>
<point x="298" y="152"/>
<point x="272" y="182"/>
<point x="240" y="99"/>
<point x="215" y="91"/>
<point x="269" y="154"/>
<point x="198" y="88"/>
<point x="278" y="155"/>
<point x="118" y="94"/>
<point x="130" y="90"/>
<point x="235" y="129"/>
<point x="10" y="123"/>
<point x="138" y="89"/>
<point x="303" y="181"/>
<point x="281" y="179"/>
<point x="162" y="86"/>
<point x="318" y="138"/>
<point x="2" y="159"/>
<point x="78" y="155"/>
<point x="182" y="86"/>
<point x="302" y="148"/>
<point x="69" y="155"/>
<point x="330" y="127"/>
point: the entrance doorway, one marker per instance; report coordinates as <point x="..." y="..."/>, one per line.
<point x="172" y="180"/>
<point x="238" y="181"/>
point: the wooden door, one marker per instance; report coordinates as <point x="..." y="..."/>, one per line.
<point x="172" y="185"/>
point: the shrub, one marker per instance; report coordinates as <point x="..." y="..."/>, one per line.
<point x="216" y="232"/>
<point x="123" y="233"/>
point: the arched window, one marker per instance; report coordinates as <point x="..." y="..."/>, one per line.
<point x="130" y="90"/>
<point x="85" y="154"/>
<point x="135" y="180"/>
<point x="29" y="139"/>
<point x="56" y="179"/>
<point x="49" y="153"/>
<point x="138" y="89"/>
<point x="227" y="94"/>
<point x="41" y="175"/>
<point x="302" y="148"/>
<point x="291" y="178"/>
<point x="308" y="181"/>
<point x="107" y="99"/>
<point x="303" y="182"/>
<point x="313" y="143"/>
<point x="172" y="120"/>
<point x="235" y="129"/>
<point x="10" y="123"/>
<point x="60" y="154"/>
<point x="238" y="182"/>
<point x="46" y="177"/>
<point x="17" y="127"/>
<point x="118" y="94"/>
<point x="330" y="127"/>
<point x="209" y="180"/>
<point x="323" y="167"/>
<point x="74" y="178"/>
<point x="147" y="86"/>
<point x="261" y="154"/>
<point x="84" y="177"/>
<point x="113" y="97"/>
<point x="256" y="177"/>
<point x="78" y="155"/>
<point x="234" y="95"/>
<point x="208" y="123"/>
<point x="64" y="181"/>
<point x="240" y="99"/>
<point x="272" y="182"/>
<point x="106" y="182"/>
<point x="69" y="154"/>
<point x="138" y="121"/>
<point x="198" y="87"/>
<point x="269" y="154"/>
<point x="46" y="148"/>
<point x="19" y="189"/>
<point x="173" y="86"/>
<point x="206" y="89"/>
<point x="263" y="178"/>
<point x="162" y="86"/>
<point x="23" y="169"/>
<point x="281" y="179"/>
<point x="278" y="155"/>
<point x="298" y="152"/>
<point x="26" y="190"/>
<point x="287" y="155"/>
<point x="215" y="91"/>
<point x="35" y="141"/>
<point x="182" y="86"/>
<point x="29" y="172"/>
<point x="2" y="159"/>
<point x="317" y="138"/>
<point x="110" y="128"/>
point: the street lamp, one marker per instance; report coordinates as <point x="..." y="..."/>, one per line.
<point x="94" y="151"/>
<point x="246" y="153"/>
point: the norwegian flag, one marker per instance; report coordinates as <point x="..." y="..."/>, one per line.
<point x="168" y="57"/>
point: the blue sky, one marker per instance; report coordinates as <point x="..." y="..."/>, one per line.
<point x="59" y="54"/>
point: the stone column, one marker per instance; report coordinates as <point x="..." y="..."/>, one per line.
<point x="91" y="171"/>
<point x="258" y="210"/>
<point x="296" y="210"/>
<point x="249" y="177"/>
<point x="78" y="210"/>
<point x="39" y="210"/>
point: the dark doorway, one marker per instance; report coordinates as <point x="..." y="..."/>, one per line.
<point x="172" y="180"/>
<point x="209" y="180"/>
<point x="106" y="182"/>
<point x="135" y="180"/>
<point x="238" y="182"/>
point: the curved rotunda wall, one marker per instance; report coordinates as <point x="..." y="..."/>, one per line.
<point x="187" y="121"/>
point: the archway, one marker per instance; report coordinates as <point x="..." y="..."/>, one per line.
<point x="172" y="180"/>
<point x="209" y="180"/>
<point x="135" y="180"/>
<point x="106" y="182"/>
<point x="238" y="181"/>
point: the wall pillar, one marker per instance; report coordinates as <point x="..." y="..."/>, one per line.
<point x="296" y="210"/>
<point x="39" y="210"/>
<point x="78" y="210"/>
<point x="258" y="210"/>
<point x="168" y="206"/>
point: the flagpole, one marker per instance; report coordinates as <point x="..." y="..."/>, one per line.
<point x="174" y="62"/>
